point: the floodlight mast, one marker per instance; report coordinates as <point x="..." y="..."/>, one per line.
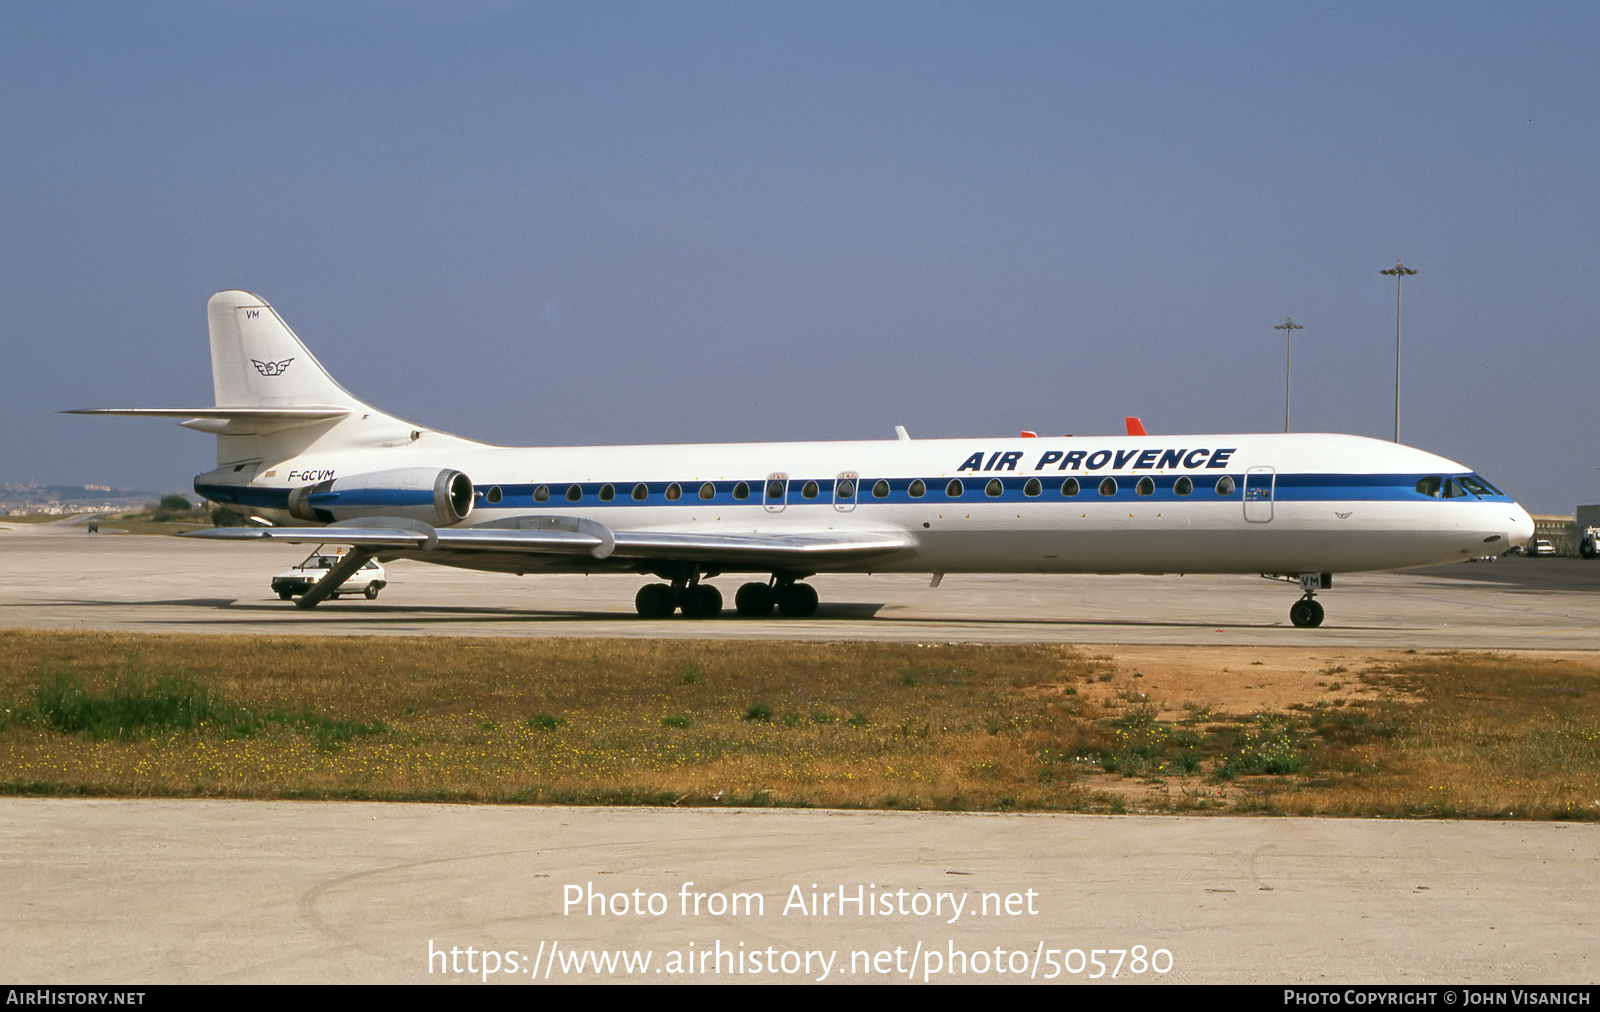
<point x="1399" y="271"/>
<point x="1288" y="326"/>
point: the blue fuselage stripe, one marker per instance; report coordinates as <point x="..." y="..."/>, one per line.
<point x="1012" y="489"/>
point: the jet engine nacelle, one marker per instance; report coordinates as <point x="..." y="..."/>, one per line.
<point x="428" y="494"/>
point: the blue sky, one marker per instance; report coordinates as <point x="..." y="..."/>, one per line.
<point x="595" y="223"/>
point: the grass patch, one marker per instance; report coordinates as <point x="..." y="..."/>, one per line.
<point x="568" y="721"/>
<point x="853" y="725"/>
<point x="134" y="706"/>
<point x="139" y="705"/>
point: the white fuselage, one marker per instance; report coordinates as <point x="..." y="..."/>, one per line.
<point x="1307" y="503"/>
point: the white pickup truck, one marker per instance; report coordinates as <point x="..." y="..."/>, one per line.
<point x="367" y="580"/>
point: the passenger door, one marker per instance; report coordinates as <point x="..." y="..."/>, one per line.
<point x="1259" y="483"/>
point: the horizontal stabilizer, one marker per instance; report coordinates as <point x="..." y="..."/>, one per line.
<point x="236" y="421"/>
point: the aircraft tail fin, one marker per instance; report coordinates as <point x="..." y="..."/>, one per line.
<point x="278" y="399"/>
<point x="1135" y="427"/>
<point x="274" y="400"/>
<point x="258" y="362"/>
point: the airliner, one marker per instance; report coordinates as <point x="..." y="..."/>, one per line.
<point x="309" y="462"/>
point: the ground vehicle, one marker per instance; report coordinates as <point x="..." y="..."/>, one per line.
<point x="368" y="580"/>
<point x="1589" y="547"/>
<point x="1541" y="546"/>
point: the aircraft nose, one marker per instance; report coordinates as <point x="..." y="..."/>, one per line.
<point x="1520" y="531"/>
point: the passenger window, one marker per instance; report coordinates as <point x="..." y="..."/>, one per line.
<point x="541" y="493"/>
<point x="608" y="492"/>
<point x="1108" y="487"/>
<point x="1069" y="487"/>
<point x="954" y="489"/>
<point x="674" y="491"/>
<point x="494" y="494"/>
<point x="775" y="490"/>
<point x="1225" y="485"/>
<point x="808" y="490"/>
<point x="741" y="490"/>
<point x="640" y="492"/>
<point x="846" y="489"/>
<point x="1183" y="486"/>
<point x="1430" y="486"/>
<point x="917" y="489"/>
<point x="994" y="488"/>
<point x="1146" y="486"/>
<point x="574" y="493"/>
<point x="707" y="490"/>
<point x="1032" y="488"/>
<point x="880" y="490"/>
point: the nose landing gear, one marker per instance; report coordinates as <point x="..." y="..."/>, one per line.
<point x="1306" y="613"/>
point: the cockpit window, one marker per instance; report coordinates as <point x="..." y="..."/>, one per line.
<point x="1477" y="486"/>
<point x="1430" y="486"/>
<point x="1452" y="490"/>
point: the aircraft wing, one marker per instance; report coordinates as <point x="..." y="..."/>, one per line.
<point x="381" y="536"/>
<point x="772" y="548"/>
<point x="572" y="536"/>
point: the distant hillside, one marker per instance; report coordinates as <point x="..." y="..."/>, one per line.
<point x="41" y="498"/>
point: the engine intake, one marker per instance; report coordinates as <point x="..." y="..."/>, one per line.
<point x="433" y="496"/>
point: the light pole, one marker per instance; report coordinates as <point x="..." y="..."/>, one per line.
<point x="1399" y="270"/>
<point x="1288" y="326"/>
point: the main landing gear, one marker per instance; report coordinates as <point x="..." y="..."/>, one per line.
<point x="701" y="600"/>
<point x="794" y="600"/>
<point x="1306" y="613"/>
<point x="659" y="600"/>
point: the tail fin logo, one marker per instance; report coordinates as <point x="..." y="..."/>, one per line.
<point x="271" y="368"/>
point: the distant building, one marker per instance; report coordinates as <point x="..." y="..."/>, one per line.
<point x="1561" y="531"/>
